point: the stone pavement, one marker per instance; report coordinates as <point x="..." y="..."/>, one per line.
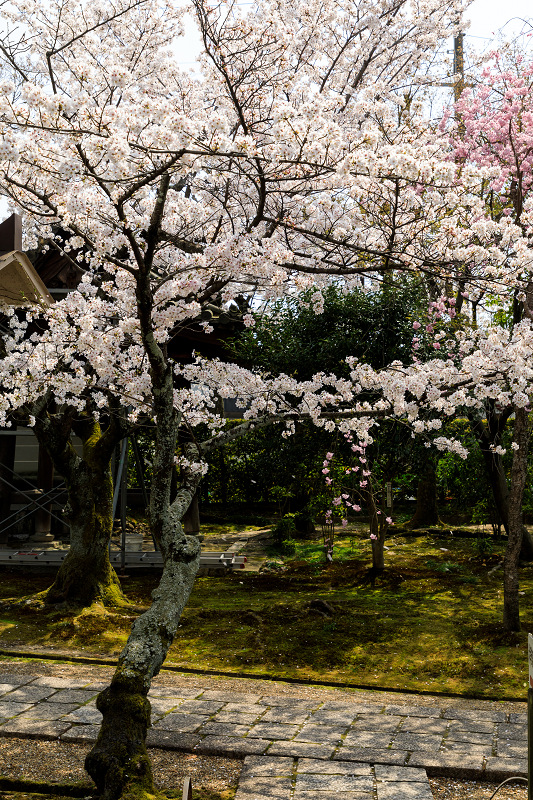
<point x="270" y="778"/>
<point x="293" y="749"/>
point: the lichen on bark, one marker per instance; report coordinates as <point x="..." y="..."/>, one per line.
<point x="86" y="575"/>
<point x="119" y="763"/>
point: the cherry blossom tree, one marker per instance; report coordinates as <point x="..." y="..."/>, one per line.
<point x="289" y="158"/>
<point x="494" y="131"/>
<point x="480" y="366"/>
<point x="47" y="385"/>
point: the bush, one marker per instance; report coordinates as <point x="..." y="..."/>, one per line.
<point x="303" y="523"/>
<point x="283" y="530"/>
<point x="483" y="547"/>
<point x="288" y="548"/>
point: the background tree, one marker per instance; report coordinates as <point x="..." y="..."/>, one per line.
<point x="297" y="338"/>
<point x="374" y="325"/>
<point x="495" y="133"/>
<point x="86" y="575"/>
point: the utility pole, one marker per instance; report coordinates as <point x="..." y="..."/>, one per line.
<point x="458" y="69"/>
<point x="458" y="65"/>
<point x="459" y="84"/>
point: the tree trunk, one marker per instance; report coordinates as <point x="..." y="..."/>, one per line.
<point x="522" y="432"/>
<point x="119" y="760"/>
<point x="86" y="574"/>
<point x="223" y="471"/>
<point x="490" y="434"/>
<point x="500" y="492"/>
<point x="119" y="763"/>
<point x="426" y="513"/>
<point x="45" y="482"/>
<point x="377" y="536"/>
<point x="498" y="482"/>
<point x="526" y="548"/>
<point x="378" y="556"/>
<point x="191" y="518"/>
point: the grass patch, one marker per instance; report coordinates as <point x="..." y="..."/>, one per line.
<point x="432" y="622"/>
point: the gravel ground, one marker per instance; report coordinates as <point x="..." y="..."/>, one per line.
<point x="445" y="789"/>
<point x="62" y="762"/>
<point x="58" y="761"/>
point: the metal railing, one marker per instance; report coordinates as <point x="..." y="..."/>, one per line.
<point x="39" y="501"/>
<point x="132" y="559"/>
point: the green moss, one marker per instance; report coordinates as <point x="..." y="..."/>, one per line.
<point x="119" y="763"/>
<point x="56" y="793"/>
<point x="132" y="686"/>
<point x="85" y="579"/>
<point x="30" y="795"/>
<point x="431" y="623"/>
<point x="135" y="792"/>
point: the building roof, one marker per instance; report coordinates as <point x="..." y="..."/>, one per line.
<point x="20" y="285"/>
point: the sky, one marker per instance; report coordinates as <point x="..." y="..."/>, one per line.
<point x="488" y="16"/>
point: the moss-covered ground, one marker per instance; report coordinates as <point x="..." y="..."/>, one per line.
<point x="31" y="796"/>
<point x="431" y="622"/>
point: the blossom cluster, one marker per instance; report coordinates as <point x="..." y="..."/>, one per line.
<point x="288" y="158"/>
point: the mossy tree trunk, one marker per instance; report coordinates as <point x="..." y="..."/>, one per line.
<point x="119" y="763"/>
<point x="86" y="574"/>
<point x="521" y="437"/>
